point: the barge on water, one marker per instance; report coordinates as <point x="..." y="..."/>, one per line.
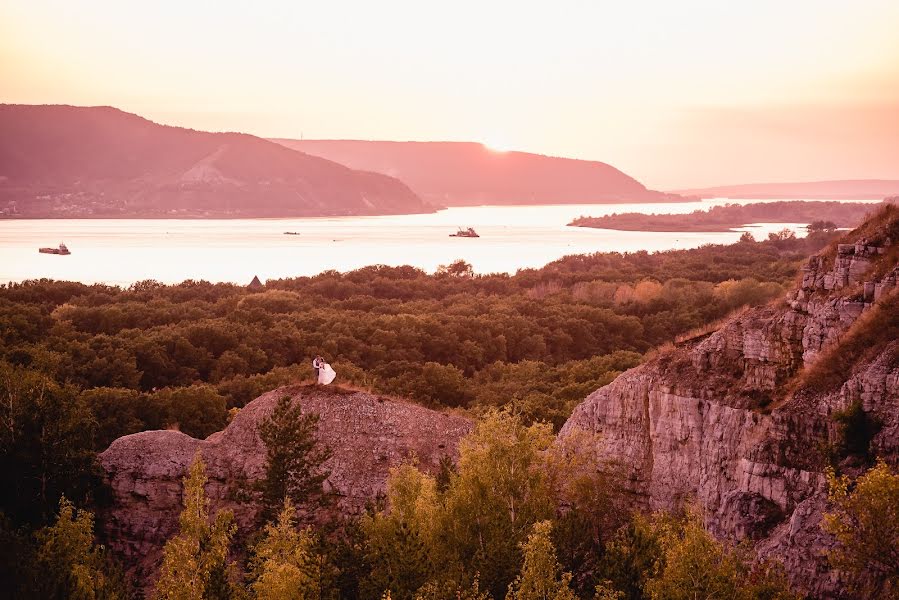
<point x="63" y="250"/>
<point x="469" y="233"/>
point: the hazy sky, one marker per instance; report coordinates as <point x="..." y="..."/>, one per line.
<point x="675" y="93"/>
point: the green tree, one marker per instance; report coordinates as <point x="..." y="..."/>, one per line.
<point x="501" y="490"/>
<point x="294" y="458"/>
<point x="17" y="562"/>
<point x="197" y="410"/>
<point x="458" y="268"/>
<point x="631" y="556"/>
<point x="541" y="575"/>
<point x="855" y="430"/>
<point x="117" y="412"/>
<point x="449" y="591"/>
<point x="864" y="518"/>
<point x="436" y="385"/>
<point x="590" y="507"/>
<point x="782" y="236"/>
<point x="398" y="559"/>
<point x="605" y="590"/>
<point x="195" y="561"/>
<point x="46" y="445"/>
<point x="401" y="541"/>
<point x="821" y="226"/>
<point x="693" y="564"/>
<point x="69" y="564"/>
<point x="285" y="564"/>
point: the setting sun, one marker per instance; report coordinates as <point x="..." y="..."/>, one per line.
<point x="495" y="145"/>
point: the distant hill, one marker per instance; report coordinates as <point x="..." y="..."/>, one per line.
<point x="65" y="161"/>
<point x="467" y="173"/>
<point x="847" y="189"/>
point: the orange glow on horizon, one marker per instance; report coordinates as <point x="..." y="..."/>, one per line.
<point x="496" y="146"/>
<point x="676" y="94"/>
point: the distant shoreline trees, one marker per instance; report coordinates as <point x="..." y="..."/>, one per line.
<point x="731" y="216"/>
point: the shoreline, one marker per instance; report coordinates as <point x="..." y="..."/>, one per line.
<point x="726" y="218"/>
<point x="685" y="229"/>
<point x="435" y="210"/>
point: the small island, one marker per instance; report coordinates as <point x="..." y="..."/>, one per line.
<point x="731" y="216"/>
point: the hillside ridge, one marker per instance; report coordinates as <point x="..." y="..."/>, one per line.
<point x="79" y="162"/>
<point x="470" y="173"/>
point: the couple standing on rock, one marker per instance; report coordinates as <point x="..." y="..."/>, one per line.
<point x="324" y="374"/>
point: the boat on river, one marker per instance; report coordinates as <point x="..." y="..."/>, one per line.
<point x="63" y="250"/>
<point x="467" y="233"/>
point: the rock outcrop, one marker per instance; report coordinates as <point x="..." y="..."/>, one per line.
<point x="710" y="421"/>
<point x="366" y="434"/>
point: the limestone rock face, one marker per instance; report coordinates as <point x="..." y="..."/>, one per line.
<point x="708" y="422"/>
<point x="366" y="434"/>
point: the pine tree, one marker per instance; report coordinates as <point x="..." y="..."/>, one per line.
<point x="294" y="457"/>
<point x="285" y="565"/>
<point x="398" y="557"/>
<point x="541" y="575"/>
<point x="195" y="561"/>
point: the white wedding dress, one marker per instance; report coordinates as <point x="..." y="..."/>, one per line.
<point x="326" y="374"/>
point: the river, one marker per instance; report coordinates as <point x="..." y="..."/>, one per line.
<point x="122" y="251"/>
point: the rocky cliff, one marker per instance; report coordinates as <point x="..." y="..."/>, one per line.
<point x="367" y="435"/>
<point x="729" y="419"/>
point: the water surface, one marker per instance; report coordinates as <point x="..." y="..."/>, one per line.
<point x="122" y="251"/>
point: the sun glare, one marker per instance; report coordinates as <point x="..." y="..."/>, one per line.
<point x="496" y="146"/>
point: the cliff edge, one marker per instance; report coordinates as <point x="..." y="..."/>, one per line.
<point x="742" y="420"/>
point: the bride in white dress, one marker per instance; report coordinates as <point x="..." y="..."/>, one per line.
<point x="325" y="373"/>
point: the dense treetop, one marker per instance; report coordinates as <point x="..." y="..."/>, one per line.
<point x="153" y="355"/>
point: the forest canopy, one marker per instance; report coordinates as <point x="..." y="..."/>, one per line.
<point x="81" y="365"/>
<point x="153" y="356"/>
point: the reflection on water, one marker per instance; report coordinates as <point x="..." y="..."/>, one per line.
<point x="121" y="251"/>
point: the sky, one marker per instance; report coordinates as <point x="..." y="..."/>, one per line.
<point x="678" y="94"/>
